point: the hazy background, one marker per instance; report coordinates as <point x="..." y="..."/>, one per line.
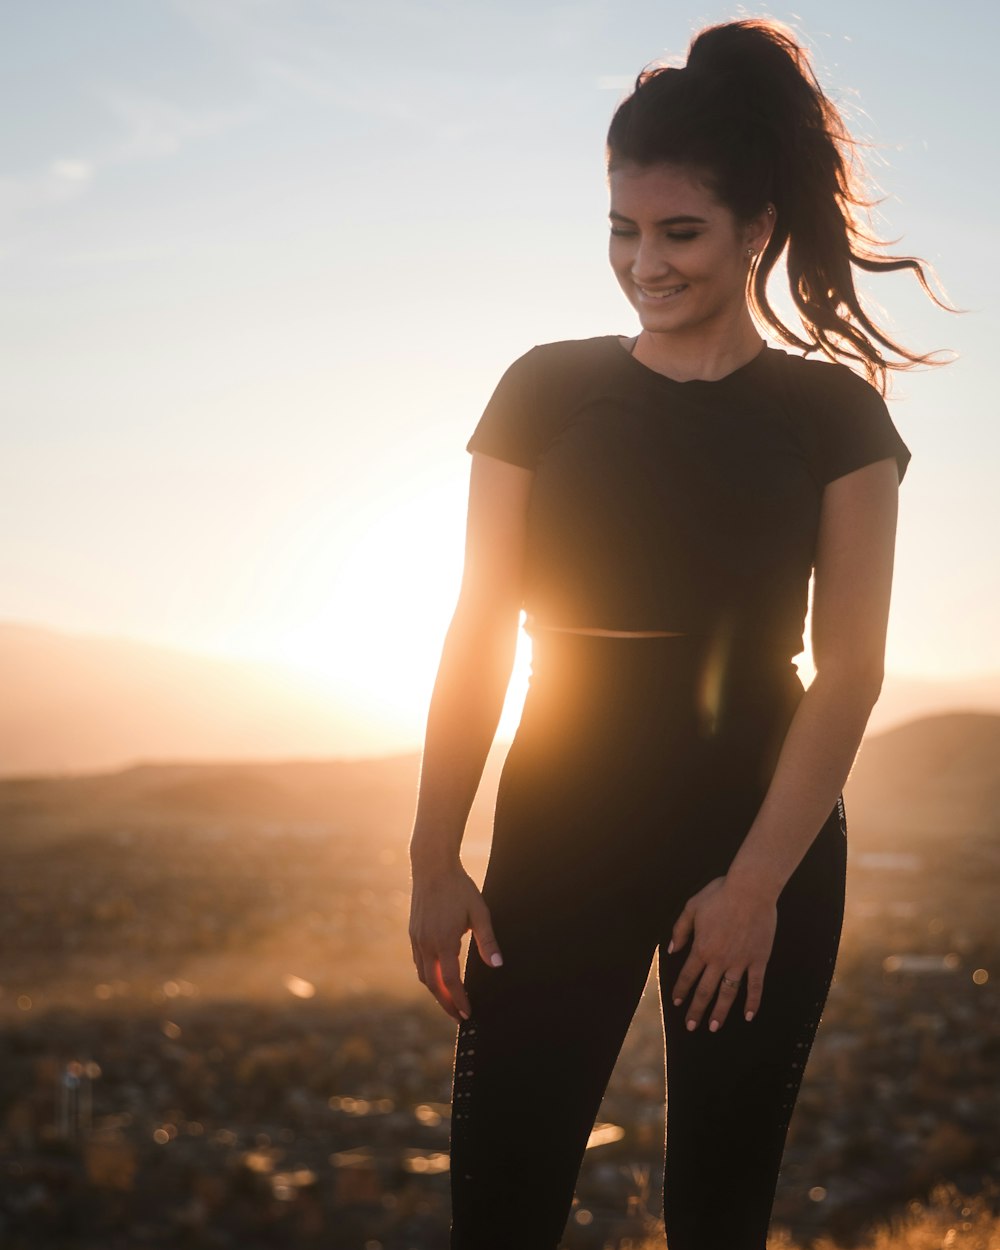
<point x="261" y="264"/>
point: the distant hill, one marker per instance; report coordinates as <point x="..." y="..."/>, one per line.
<point x="935" y="778"/>
<point x="362" y="797"/>
<point x="372" y="799"/>
<point x="80" y="704"/>
<point x="935" y="775"/>
<point x="72" y="704"/>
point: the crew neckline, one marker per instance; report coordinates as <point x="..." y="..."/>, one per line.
<point x="735" y="375"/>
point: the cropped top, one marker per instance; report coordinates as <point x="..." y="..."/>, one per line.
<point x="690" y="507"/>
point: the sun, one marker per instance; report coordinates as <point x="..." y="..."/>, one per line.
<point x="378" y="634"/>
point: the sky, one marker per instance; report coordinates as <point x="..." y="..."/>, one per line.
<point x="263" y="261"/>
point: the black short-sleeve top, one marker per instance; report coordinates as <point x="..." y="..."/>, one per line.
<point x="689" y="507"/>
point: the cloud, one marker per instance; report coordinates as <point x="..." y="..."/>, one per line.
<point x="149" y="128"/>
<point x="72" y="170"/>
<point x="62" y="181"/>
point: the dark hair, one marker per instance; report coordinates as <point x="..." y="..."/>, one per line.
<point x="748" y="113"/>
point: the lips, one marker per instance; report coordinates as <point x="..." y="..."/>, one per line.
<point x="666" y="293"/>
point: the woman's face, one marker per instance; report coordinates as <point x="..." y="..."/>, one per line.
<point x="679" y="255"/>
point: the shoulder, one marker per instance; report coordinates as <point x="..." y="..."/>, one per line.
<point x="570" y="353"/>
<point x="575" y="349"/>
<point x="828" y="383"/>
<point x="561" y="358"/>
<point x="537" y="395"/>
<point x="567" y="366"/>
<point x="529" y="403"/>
<point x="848" y="424"/>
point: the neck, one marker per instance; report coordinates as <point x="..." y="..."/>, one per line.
<point x="705" y="357"/>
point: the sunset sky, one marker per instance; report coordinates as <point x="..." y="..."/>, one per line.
<point x="262" y="262"/>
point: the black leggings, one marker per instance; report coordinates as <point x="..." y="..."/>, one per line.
<point x="636" y="770"/>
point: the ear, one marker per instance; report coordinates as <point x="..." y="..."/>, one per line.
<point x="759" y="228"/>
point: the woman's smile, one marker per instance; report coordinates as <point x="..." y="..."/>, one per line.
<point x="659" y="295"/>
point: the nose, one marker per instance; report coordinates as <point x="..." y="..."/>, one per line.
<point x="648" y="265"/>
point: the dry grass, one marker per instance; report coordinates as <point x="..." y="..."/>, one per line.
<point x="949" y="1220"/>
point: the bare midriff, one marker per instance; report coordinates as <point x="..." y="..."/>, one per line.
<point x="532" y="625"/>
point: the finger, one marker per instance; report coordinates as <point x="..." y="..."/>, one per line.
<point x="682" y="930"/>
<point x="707" y="987"/>
<point x="486" y="940"/>
<point x="693" y="967"/>
<point x="440" y="991"/>
<point x="726" y="998"/>
<point x="755" y="990"/>
<point x="428" y="975"/>
<point x="451" y="977"/>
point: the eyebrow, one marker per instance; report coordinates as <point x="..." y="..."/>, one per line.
<point x="682" y="220"/>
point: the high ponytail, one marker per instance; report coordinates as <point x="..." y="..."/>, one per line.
<point x="748" y="112"/>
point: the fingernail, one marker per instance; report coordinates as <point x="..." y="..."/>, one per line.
<point x="678" y="1001"/>
<point x="463" y="1014"/>
<point x="496" y="960"/>
<point x="692" y="1024"/>
<point x="670" y="947"/>
<point x="749" y="1015"/>
<point x="713" y="1027"/>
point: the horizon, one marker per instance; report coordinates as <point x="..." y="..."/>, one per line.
<point x="135" y="703"/>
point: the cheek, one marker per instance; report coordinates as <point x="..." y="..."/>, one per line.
<point x="620" y="265"/>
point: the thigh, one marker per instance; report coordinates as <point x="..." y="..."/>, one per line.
<point x="730" y="1094"/>
<point x="533" y="1062"/>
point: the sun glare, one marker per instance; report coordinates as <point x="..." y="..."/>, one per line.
<point x="378" y="637"/>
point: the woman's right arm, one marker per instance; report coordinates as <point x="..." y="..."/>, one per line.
<point x="465" y="707"/>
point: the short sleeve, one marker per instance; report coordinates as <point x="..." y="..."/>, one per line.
<point x="509" y="428"/>
<point x="856" y="428"/>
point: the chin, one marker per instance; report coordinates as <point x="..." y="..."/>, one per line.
<point x="654" y="324"/>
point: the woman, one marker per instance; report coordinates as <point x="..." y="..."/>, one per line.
<point x="657" y="504"/>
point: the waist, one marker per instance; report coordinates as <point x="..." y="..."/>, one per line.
<point x="723" y="639"/>
<point x="681" y="687"/>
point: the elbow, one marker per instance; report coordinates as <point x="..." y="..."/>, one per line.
<point x="484" y="625"/>
<point x="863" y="681"/>
<point x="487" y="610"/>
<point x="873" y="684"/>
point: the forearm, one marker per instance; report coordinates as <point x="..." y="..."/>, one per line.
<point x="816" y="757"/>
<point x="465" y="708"/>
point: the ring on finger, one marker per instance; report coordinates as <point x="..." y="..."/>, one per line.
<point x="727" y="981"/>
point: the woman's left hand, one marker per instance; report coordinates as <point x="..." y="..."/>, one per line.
<point x="733" y="933"/>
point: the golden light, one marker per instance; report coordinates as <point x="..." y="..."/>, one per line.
<point x="299" y="986"/>
<point x="378" y="635"/>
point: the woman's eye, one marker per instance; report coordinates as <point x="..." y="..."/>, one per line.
<point x="675" y="236"/>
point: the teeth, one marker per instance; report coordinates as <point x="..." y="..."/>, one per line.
<point x="661" y="294"/>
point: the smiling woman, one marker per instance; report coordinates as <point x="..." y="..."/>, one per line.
<point x="658" y="504"/>
<point x="685" y="272"/>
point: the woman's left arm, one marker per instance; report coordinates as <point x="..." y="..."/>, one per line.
<point x="853" y="582"/>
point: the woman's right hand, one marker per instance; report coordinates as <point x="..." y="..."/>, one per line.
<point x="444" y="904"/>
